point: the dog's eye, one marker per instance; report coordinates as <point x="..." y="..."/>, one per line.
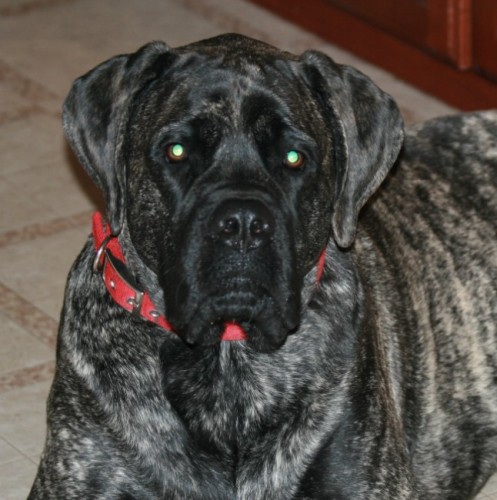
<point x="176" y="152"/>
<point x="294" y="159"/>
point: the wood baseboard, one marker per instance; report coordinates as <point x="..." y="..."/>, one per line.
<point x="462" y="89"/>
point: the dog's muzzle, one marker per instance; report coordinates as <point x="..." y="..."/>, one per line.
<point x="236" y="265"/>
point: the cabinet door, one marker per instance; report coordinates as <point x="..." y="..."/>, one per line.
<point x="485" y="37"/>
<point x="441" y="27"/>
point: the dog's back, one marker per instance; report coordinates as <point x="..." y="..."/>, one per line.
<point x="434" y="226"/>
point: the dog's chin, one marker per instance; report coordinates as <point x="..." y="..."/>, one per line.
<point x="266" y="328"/>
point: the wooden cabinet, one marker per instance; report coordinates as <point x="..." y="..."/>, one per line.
<point x="445" y="47"/>
<point x="441" y="27"/>
<point x="485" y="37"/>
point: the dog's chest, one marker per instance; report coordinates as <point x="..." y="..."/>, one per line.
<point x="251" y="415"/>
<point x="221" y="397"/>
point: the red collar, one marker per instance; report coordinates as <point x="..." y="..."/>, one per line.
<point x="122" y="287"/>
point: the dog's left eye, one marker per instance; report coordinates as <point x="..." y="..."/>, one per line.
<point x="294" y="159"/>
<point x="176" y="152"/>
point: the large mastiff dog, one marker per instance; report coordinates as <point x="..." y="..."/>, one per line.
<point x="256" y="335"/>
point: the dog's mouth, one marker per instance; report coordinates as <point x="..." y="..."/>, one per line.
<point x="265" y="321"/>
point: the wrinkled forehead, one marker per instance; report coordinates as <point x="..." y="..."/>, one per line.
<point x="241" y="93"/>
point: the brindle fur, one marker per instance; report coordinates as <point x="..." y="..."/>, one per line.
<point x="386" y="389"/>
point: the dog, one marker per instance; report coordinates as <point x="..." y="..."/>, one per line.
<point x="288" y="296"/>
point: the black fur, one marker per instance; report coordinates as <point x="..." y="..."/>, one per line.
<point x="376" y="383"/>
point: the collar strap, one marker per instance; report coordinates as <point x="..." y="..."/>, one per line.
<point x="122" y="287"/>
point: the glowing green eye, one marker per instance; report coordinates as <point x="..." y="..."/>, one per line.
<point x="294" y="159"/>
<point x="176" y="152"/>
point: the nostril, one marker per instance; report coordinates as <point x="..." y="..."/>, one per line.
<point x="229" y="226"/>
<point x="259" y="227"/>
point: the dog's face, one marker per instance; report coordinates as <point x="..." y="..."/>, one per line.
<point x="232" y="163"/>
<point x="241" y="206"/>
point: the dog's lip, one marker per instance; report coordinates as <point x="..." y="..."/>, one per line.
<point x="258" y="315"/>
<point x="256" y="336"/>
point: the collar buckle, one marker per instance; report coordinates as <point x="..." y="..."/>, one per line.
<point x="98" y="262"/>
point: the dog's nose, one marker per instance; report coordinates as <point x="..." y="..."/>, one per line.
<point x="242" y="224"/>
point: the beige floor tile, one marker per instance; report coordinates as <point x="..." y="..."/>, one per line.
<point x="51" y="305"/>
<point x="38" y="270"/>
<point x="31" y="142"/>
<point x="75" y="36"/>
<point x="16" y="479"/>
<point x="35" y="459"/>
<point x="482" y="496"/>
<point x="11" y="103"/>
<point x="19" y="348"/>
<point x="8" y="454"/>
<point x="491" y="487"/>
<point x="17" y="209"/>
<point x="57" y="184"/>
<point x="23" y="418"/>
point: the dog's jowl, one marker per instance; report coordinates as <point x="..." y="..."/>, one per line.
<point x="286" y="298"/>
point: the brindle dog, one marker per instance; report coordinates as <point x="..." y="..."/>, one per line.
<point x="227" y="167"/>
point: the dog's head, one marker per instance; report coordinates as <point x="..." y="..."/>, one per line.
<point x="232" y="163"/>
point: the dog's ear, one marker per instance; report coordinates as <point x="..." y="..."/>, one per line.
<point x="367" y="132"/>
<point x="95" y="114"/>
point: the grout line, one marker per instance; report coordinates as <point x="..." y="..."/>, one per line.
<point x="19" y="459"/>
<point x="20" y="114"/>
<point x="34" y="459"/>
<point x="28" y="6"/>
<point x="12" y="459"/>
<point x="23" y="85"/>
<point x="28" y="316"/>
<point x="26" y="376"/>
<point x="39" y="230"/>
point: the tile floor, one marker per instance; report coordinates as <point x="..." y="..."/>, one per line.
<point x="46" y="200"/>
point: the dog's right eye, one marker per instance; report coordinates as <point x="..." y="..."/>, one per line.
<point x="294" y="159"/>
<point x="176" y="152"/>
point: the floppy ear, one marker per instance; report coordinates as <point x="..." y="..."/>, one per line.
<point x="367" y="136"/>
<point x="95" y="114"/>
